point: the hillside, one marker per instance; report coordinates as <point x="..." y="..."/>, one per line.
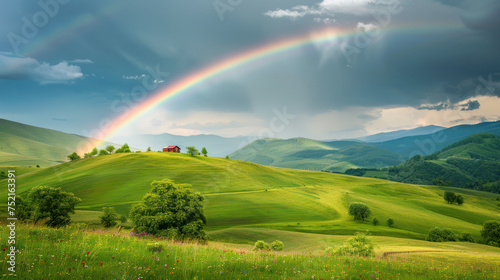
<point x="250" y="195"/>
<point x="431" y="143"/>
<point x="22" y="145"/>
<point x="386" y="136"/>
<point x="473" y="162"/>
<point x="216" y="145"/>
<point x="307" y="154"/>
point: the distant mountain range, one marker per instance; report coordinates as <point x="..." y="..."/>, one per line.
<point x="386" y="136"/>
<point x="217" y="146"/>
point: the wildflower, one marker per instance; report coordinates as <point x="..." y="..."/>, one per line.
<point x="83" y="263"/>
<point x="4" y="249"/>
<point x="113" y="257"/>
<point x="244" y="272"/>
<point x="88" y="252"/>
<point x="100" y="263"/>
<point x="166" y="266"/>
<point x="69" y="269"/>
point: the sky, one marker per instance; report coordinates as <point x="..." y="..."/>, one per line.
<point x="76" y="66"/>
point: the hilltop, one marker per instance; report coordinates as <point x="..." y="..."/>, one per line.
<point x="307" y="154"/>
<point x="241" y="194"/>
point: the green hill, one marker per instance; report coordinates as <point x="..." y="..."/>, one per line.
<point x="307" y="154"/>
<point x="473" y="162"/>
<point x="241" y="194"/>
<point x="22" y="145"/>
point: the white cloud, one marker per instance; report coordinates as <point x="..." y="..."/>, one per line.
<point x="27" y="68"/>
<point x="136" y="77"/>
<point x="82" y="61"/>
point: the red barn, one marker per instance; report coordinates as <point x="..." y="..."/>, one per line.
<point x="172" y="149"/>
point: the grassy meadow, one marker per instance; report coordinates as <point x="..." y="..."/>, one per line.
<point x="245" y="202"/>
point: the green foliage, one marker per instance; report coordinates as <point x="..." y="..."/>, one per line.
<point x="491" y="232"/>
<point x="191" y="150"/>
<point x="459" y="199"/>
<point x="103" y="153"/>
<point x="204" y="151"/>
<point x="149" y="149"/>
<point x="227" y="157"/>
<point x="390" y="222"/>
<point x="94" y="152"/>
<point x="37" y="166"/>
<point x="155" y="247"/>
<point x="449" y="196"/>
<point x="52" y="203"/>
<point x="109" y="217"/>
<point x="438" y="234"/>
<point x="260" y="245"/>
<point x="23" y="209"/>
<point x="466" y="237"/>
<point x="359" y="245"/>
<point x="359" y="211"/>
<point x="123" y="219"/>
<point x="277" y="245"/>
<point x="169" y="209"/>
<point x="123" y="149"/>
<point x="110" y="148"/>
<point x="375" y="221"/>
<point x="74" y="156"/>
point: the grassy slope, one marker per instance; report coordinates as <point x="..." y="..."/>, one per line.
<point x="307" y="154"/>
<point x="22" y="144"/>
<point x="301" y="201"/>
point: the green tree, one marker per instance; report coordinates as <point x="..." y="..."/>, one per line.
<point x="390" y="222"/>
<point x="204" y="151"/>
<point x="359" y="211"/>
<point x="449" y="197"/>
<point x="23" y="209"/>
<point x="375" y="221"/>
<point x="149" y="149"/>
<point x="52" y="203"/>
<point x="94" y="152"/>
<point x="109" y="217"/>
<point x="260" y="245"/>
<point x="459" y="199"/>
<point x="191" y="150"/>
<point x="359" y="245"/>
<point x="438" y="234"/>
<point x="103" y="153"/>
<point x="227" y="157"/>
<point x="277" y="245"/>
<point x="110" y="148"/>
<point x="491" y="232"/>
<point x="74" y="156"/>
<point x="123" y="149"/>
<point x="172" y="210"/>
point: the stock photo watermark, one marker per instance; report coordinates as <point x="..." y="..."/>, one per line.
<point x="223" y="6"/>
<point x="11" y="220"/>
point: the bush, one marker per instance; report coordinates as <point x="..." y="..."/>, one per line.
<point x="359" y="245"/>
<point x="375" y="221"/>
<point x="277" y="246"/>
<point x="459" y="199"/>
<point x="466" y="237"/>
<point x="491" y="232"/>
<point x="438" y="234"/>
<point x="172" y="210"/>
<point x="154" y="247"/>
<point x="390" y="222"/>
<point x="52" y="203"/>
<point x="123" y="219"/>
<point x="260" y="245"/>
<point x="359" y="211"/>
<point x="449" y="197"/>
<point x="109" y="217"/>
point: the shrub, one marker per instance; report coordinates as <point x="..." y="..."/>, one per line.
<point x="52" y="203"/>
<point x="466" y="237"/>
<point x="390" y="222"/>
<point x="261" y="245"/>
<point x="109" y="217"/>
<point x="449" y="197"/>
<point x="359" y="245"/>
<point x="155" y="247"/>
<point x="491" y="232"/>
<point x="123" y="219"/>
<point x="438" y="234"/>
<point x="359" y="211"/>
<point x="277" y="246"/>
<point x="459" y="199"/>
<point x="375" y="221"/>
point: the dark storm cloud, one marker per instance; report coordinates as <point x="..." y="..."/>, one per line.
<point x="478" y="14"/>
<point x="471" y="106"/>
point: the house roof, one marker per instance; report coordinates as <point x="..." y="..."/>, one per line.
<point x="172" y="146"/>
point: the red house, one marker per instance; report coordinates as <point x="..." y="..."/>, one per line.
<point x="172" y="149"/>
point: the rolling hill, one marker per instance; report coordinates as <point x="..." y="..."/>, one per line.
<point x="473" y="162"/>
<point x="241" y="194"/>
<point x="307" y="154"/>
<point x="386" y="136"/>
<point x="23" y="145"/>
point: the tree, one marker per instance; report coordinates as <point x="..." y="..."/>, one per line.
<point x="109" y="217"/>
<point x="124" y="149"/>
<point x="359" y="245"/>
<point x="438" y="234"/>
<point x="23" y="209"/>
<point x="191" y="150"/>
<point x="52" y="203"/>
<point x="359" y="211"/>
<point x="227" y="157"/>
<point x="459" y="199"/>
<point x="172" y="210"/>
<point x="74" y="156"/>
<point x="204" y="151"/>
<point x="149" y="149"/>
<point x="449" y="197"/>
<point x="110" y="148"/>
<point x="390" y="222"/>
<point x="375" y="222"/>
<point x="103" y="153"/>
<point x="94" y="152"/>
<point x="491" y="232"/>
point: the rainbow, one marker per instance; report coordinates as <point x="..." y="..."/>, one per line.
<point x="217" y="69"/>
